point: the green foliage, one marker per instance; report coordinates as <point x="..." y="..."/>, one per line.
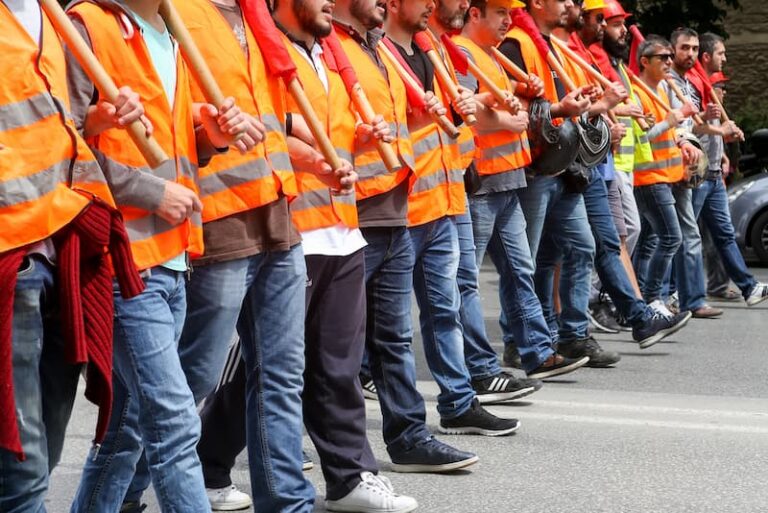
<point x="663" y="16"/>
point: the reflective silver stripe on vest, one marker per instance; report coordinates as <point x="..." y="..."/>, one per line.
<point x="224" y="179"/>
<point x="32" y="187"/>
<point x="503" y="150"/>
<point x="371" y="171"/>
<point x="430" y="182"/>
<point x="659" y="164"/>
<point x="426" y="145"/>
<point x="27" y="112"/>
<point x="663" y="145"/>
<point x="467" y="146"/>
<point x="147" y="227"/>
<point x="87" y="172"/>
<point x="456" y="176"/>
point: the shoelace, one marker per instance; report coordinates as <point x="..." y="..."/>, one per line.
<point x="378" y="484"/>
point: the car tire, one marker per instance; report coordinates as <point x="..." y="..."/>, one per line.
<point x="758" y="237"/>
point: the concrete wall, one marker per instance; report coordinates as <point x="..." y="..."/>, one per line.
<point x="747" y="49"/>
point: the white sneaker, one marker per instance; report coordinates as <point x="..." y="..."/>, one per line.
<point x="374" y="494"/>
<point x="758" y="295"/>
<point x="659" y="307"/>
<point x="228" y="498"/>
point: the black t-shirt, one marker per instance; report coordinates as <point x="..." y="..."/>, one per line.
<point x="420" y="64"/>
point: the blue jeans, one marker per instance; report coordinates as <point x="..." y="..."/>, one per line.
<point x="710" y="203"/>
<point x="545" y="202"/>
<point x="689" y="272"/>
<point x="499" y="228"/>
<point x="389" y="262"/>
<point x="44" y="389"/>
<point x="436" y="246"/>
<point x="608" y="263"/>
<point x="660" y="238"/>
<point x="479" y="356"/>
<point x="153" y="408"/>
<point x="274" y="285"/>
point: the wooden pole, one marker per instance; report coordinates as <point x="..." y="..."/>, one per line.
<point x="148" y="146"/>
<point x="317" y="129"/>
<point x="680" y="96"/>
<point x="443" y="121"/>
<point x="363" y="106"/>
<point x="446" y="81"/>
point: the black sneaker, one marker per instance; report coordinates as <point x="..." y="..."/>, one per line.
<point x="598" y="357"/>
<point x="132" y="507"/>
<point x="557" y="365"/>
<point x="369" y="387"/>
<point x="431" y="455"/>
<point x="659" y="327"/>
<point x="602" y="317"/>
<point x="511" y="357"/>
<point x="478" y="421"/>
<point x="504" y="387"/>
<point x="623" y="323"/>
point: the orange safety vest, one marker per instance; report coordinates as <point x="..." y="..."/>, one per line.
<point x="40" y="149"/>
<point x="316" y="207"/>
<point x="437" y="187"/>
<point x="126" y="59"/>
<point x="233" y="182"/>
<point x="464" y="145"/>
<point x="667" y="163"/>
<point x="388" y="98"/>
<point x="499" y="151"/>
<point x="535" y="63"/>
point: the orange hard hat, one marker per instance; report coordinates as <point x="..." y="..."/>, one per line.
<point x="613" y="8"/>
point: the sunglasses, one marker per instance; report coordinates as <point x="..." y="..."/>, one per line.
<point x="662" y="56"/>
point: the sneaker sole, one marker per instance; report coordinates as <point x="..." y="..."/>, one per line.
<point x="357" y="508"/>
<point x="370" y="395"/>
<point x="502" y="397"/>
<point x="473" y="430"/>
<point x="561" y="370"/>
<point x="658" y="337"/>
<point x="235" y="506"/>
<point x="601" y="328"/>
<point x="406" y="468"/>
<point x="757" y="301"/>
<point x="307" y="465"/>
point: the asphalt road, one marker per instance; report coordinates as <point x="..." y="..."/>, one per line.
<point x="680" y="427"/>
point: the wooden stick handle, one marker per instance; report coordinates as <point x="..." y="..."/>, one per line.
<point x="447" y="83"/>
<point x="724" y="115"/>
<point x="680" y="96"/>
<point x="512" y="68"/>
<point x="385" y="149"/>
<point x="317" y="129"/>
<point x="583" y="64"/>
<point x="148" y="146"/>
<point x="191" y="53"/>
<point x="486" y="82"/>
<point x="443" y="121"/>
<point x="637" y="81"/>
<point x="570" y="86"/>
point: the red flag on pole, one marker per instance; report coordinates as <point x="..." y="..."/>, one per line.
<point x="637" y="38"/>
<point x="699" y="79"/>
<point x="523" y="20"/>
<point x="333" y="51"/>
<point x="458" y="58"/>
<point x="268" y="38"/>
<point x="603" y="61"/>
<point x="415" y="98"/>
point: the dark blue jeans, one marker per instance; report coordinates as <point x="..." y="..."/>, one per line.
<point x="608" y="263"/>
<point x="710" y="203"/>
<point x="479" y="356"/>
<point x="660" y="238"/>
<point x="499" y="229"/>
<point x="436" y="246"/>
<point x="557" y="222"/>
<point x="44" y="389"/>
<point x="389" y="261"/>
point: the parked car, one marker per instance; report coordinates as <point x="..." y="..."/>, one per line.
<point x="748" y="200"/>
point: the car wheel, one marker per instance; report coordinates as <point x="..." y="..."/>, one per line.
<point x="758" y="237"/>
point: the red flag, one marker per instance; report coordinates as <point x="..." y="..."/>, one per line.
<point x="268" y="38"/>
<point x="523" y="20"/>
<point x="603" y="61"/>
<point x="700" y="80"/>
<point x="458" y="58"/>
<point x="637" y="38"/>
<point x="332" y="48"/>
<point x="415" y="98"/>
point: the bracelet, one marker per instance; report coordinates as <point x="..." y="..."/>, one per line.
<point x="288" y="124"/>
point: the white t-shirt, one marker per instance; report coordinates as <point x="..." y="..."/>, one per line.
<point x="29" y="15"/>
<point x="338" y="240"/>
